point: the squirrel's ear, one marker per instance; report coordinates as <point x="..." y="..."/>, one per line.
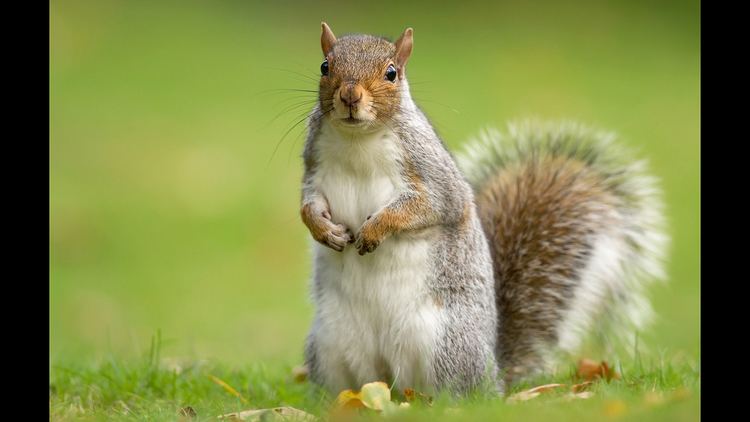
<point x="403" y="50"/>
<point x="327" y="39"/>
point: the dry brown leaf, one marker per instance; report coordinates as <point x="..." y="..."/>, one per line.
<point x="300" y="373"/>
<point x="577" y="388"/>
<point x="545" y="387"/>
<point x="412" y="395"/>
<point x="533" y="392"/>
<point x="275" y="414"/>
<point x="589" y="370"/>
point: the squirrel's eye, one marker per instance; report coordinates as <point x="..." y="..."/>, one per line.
<point x="391" y="73"/>
<point x="324" y="68"/>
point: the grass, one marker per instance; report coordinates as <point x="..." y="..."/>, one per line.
<point x="170" y="210"/>
<point x="156" y="388"/>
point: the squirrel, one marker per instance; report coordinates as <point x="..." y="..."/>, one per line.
<point x="443" y="274"/>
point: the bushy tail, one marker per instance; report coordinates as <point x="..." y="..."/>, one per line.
<point x="576" y="230"/>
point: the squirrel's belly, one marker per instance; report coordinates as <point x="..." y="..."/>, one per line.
<point x="377" y="312"/>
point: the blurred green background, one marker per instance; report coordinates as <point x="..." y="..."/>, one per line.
<point x="170" y="211"/>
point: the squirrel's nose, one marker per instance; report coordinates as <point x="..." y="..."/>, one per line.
<point x="350" y="94"/>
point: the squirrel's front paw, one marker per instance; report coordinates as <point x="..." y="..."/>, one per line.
<point x="323" y="230"/>
<point x="335" y="236"/>
<point x="369" y="237"/>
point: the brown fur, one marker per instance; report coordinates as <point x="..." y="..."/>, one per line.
<point x="538" y="217"/>
<point x="313" y="219"/>
<point x="404" y="45"/>
<point x="327" y="39"/>
<point x="317" y="218"/>
<point x="395" y="219"/>
<point x="346" y="71"/>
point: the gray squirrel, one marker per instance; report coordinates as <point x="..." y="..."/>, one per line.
<point x="442" y="275"/>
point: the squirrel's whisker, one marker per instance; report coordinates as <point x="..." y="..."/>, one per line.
<point x="314" y="79"/>
<point x="307" y="116"/>
<point x="291" y="108"/>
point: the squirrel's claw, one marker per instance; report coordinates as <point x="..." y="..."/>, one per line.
<point x="369" y="237"/>
<point x="337" y="237"/>
<point x="365" y="245"/>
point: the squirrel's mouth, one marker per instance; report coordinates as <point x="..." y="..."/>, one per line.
<point x="352" y="121"/>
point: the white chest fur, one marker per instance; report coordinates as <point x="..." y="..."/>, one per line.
<point x="375" y="318"/>
<point x="358" y="176"/>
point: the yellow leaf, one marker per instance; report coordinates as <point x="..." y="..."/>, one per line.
<point x="349" y="399"/>
<point x="376" y="395"/>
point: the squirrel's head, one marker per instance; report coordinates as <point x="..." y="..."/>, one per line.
<point x="362" y="77"/>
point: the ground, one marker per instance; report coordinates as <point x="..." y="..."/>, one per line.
<point x="667" y="388"/>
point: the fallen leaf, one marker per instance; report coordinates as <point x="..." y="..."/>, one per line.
<point x="275" y="414"/>
<point x="577" y="388"/>
<point x="376" y="395"/>
<point x="300" y="373"/>
<point x="533" y="392"/>
<point x="373" y="395"/>
<point x="412" y="395"/>
<point x="227" y="387"/>
<point x="348" y="399"/>
<point x="589" y="370"/>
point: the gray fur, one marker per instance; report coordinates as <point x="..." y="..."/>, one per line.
<point x="461" y="275"/>
<point x="461" y="270"/>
